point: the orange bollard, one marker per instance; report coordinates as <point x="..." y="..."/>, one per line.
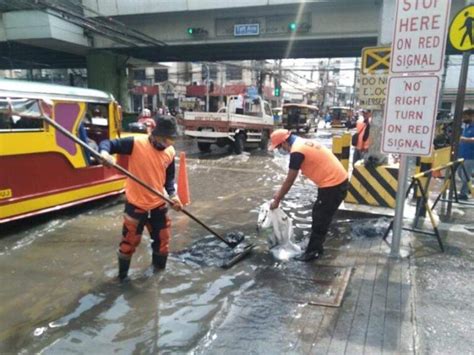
<point x="183" y="185"/>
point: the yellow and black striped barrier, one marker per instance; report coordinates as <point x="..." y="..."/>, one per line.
<point x="439" y="157"/>
<point x="374" y="186"/>
<point x="341" y="147"/>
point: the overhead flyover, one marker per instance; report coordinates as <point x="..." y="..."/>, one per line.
<point x="278" y="29"/>
<point x="60" y="34"/>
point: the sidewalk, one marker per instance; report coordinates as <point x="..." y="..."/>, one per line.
<point x="377" y="314"/>
<point x="421" y="303"/>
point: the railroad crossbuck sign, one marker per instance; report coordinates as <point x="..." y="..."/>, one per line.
<point x="375" y="59"/>
<point x="418" y="49"/>
<point x="460" y="31"/>
<point x="374" y="75"/>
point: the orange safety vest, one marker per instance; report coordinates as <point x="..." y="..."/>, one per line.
<point x="319" y="165"/>
<point x="361" y="126"/>
<point x="149" y="165"/>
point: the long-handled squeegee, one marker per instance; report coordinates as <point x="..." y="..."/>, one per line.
<point x="236" y="238"/>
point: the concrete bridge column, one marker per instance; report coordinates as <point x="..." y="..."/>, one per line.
<point x="385" y="35"/>
<point x="107" y="72"/>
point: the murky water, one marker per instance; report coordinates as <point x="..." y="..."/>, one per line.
<point x="59" y="293"/>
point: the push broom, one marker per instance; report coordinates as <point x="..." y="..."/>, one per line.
<point x="239" y="255"/>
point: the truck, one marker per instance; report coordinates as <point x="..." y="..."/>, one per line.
<point x="246" y="122"/>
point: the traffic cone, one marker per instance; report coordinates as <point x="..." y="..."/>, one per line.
<point x="183" y="185"/>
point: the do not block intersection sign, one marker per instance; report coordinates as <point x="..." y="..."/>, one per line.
<point x="410" y="114"/>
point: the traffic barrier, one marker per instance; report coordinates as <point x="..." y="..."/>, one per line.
<point x="421" y="182"/>
<point x="341" y="147"/>
<point x="438" y="158"/>
<point x="183" y="184"/>
<point x="374" y="186"/>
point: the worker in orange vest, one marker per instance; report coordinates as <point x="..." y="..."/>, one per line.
<point x="151" y="159"/>
<point x="362" y="132"/>
<point x="321" y="166"/>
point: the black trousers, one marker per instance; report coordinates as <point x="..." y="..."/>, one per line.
<point x="324" y="208"/>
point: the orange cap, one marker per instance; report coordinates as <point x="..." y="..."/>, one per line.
<point x="278" y="137"/>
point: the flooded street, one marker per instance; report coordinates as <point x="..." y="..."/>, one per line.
<point x="60" y="294"/>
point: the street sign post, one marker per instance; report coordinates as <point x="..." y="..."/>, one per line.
<point x="461" y="38"/>
<point x="418" y="48"/>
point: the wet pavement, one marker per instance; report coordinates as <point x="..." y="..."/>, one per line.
<point x="59" y="293"/>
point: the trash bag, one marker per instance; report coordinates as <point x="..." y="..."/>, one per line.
<point x="280" y="239"/>
<point x="373" y="161"/>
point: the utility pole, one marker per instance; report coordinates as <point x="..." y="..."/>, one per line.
<point x="279" y="100"/>
<point x="355" y="83"/>
<point x="207" y="87"/>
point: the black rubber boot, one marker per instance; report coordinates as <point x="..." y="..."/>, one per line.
<point x="159" y="261"/>
<point x="307" y="256"/>
<point x="124" y="265"/>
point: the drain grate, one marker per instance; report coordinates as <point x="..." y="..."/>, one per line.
<point x="320" y="285"/>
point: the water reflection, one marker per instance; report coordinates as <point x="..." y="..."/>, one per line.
<point x="63" y="296"/>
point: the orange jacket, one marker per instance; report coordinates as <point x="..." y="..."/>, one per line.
<point x="149" y="165"/>
<point x="361" y="126"/>
<point x="320" y="165"/>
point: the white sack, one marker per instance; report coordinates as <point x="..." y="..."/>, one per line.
<point x="280" y="240"/>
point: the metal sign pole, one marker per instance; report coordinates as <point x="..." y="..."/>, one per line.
<point x="458" y="114"/>
<point x="400" y="205"/>
<point x="410" y="110"/>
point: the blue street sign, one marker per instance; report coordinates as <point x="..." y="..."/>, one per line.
<point x="252" y="92"/>
<point x="247" y="30"/>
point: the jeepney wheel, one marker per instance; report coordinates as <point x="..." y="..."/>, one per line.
<point x="204" y="147"/>
<point x="264" y="141"/>
<point x="239" y="143"/>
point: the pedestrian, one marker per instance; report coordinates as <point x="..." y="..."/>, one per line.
<point x="362" y="141"/>
<point x="321" y="166"/>
<point x="151" y="159"/>
<point x="466" y="151"/>
<point x="239" y="104"/>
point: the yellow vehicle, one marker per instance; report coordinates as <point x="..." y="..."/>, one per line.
<point x="339" y="116"/>
<point x="300" y="117"/>
<point x="42" y="169"/>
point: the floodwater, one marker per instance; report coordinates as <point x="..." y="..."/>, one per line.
<point x="59" y="293"/>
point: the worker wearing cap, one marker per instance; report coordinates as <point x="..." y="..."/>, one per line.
<point x="151" y="159"/>
<point x="320" y="165"/>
